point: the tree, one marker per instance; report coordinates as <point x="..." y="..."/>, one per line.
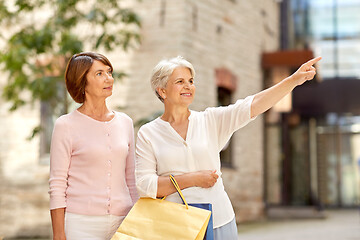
<point x="41" y="35"/>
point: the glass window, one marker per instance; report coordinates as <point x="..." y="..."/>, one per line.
<point x="332" y="29"/>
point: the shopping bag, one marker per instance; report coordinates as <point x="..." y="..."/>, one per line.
<point x="157" y="219"/>
<point x="209" y="234"/>
<point x="121" y="236"/>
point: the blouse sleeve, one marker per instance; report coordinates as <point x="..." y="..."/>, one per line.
<point x="60" y="154"/>
<point x="146" y="175"/>
<point x="130" y="166"/>
<point x="226" y="120"/>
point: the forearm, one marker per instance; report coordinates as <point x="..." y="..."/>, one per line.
<point x="204" y="179"/>
<point x="165" y="186"/>
<point x="130" y="178"/>
<point x="267" y="98"/>
<point x="58" y="222"/>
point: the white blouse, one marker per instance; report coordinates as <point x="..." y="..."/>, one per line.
<point x="161" y="151"/>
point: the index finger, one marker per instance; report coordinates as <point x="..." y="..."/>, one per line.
<point x="214" y="173"/>
<point x="312" y="61"/>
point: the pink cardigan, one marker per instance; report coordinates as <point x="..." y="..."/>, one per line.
<point x="92" y="165"/>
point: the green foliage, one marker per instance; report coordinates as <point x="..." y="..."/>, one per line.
<point x="44" y="34"/>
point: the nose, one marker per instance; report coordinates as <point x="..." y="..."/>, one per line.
<point x="109" y="77"/>
<point x="187" y="85"/>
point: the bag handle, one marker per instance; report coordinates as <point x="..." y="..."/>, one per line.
<point x="176" y="185"/>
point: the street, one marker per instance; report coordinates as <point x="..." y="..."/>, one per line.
<point x="338" y="225"/>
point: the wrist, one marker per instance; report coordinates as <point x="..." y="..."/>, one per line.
<point x="292" y="81"/>
<point x="59" y="236"/>
<point x="59" y="233"/>
<point x="194" y="177"/>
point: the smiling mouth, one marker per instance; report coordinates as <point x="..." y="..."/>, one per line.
<point x="108" y="88"/>
<point x="186" y="94"/>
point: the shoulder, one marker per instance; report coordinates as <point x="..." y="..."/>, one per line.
<point x="151" y="126"/>
<point x="63" y="126"/>
<point x="123" y="117"/>
<point x="124" y="121"/>
<point x="65" y="119"/>
<point x="210" y="110"/>
<point x="204" y="114"/>
<point x="240" y="104"/>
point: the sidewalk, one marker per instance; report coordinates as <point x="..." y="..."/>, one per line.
<point x="338" y="225"/>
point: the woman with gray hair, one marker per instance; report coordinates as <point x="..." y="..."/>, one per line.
<point x="187" y="143"/>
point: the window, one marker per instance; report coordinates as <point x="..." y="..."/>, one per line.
<point x="224" y="99"/>
<point x="332" y="29"/>
<point x="226" y="85"/>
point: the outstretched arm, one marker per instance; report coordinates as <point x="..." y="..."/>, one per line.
<point x="267" y="98"/>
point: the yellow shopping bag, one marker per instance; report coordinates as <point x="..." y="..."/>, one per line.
<point x="156" y="219"/>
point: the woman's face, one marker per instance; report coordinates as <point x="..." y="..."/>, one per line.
<point x="99" y="81"/>
<point x="180" y="88"/>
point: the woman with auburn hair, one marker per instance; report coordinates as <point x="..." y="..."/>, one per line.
<point x="187" y="143"/>
<point x="92" y="182"/>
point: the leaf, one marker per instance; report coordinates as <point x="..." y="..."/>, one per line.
<point x="98" y="42"/>
<point x="69" y="27"/>
<point x="119" y="75"/>
<point x="35" y="132"/>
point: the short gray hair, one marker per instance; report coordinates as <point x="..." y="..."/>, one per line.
<point x="162" y="71"/>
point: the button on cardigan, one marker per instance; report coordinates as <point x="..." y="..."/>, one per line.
<point x="92" y="165"/>
<point x="161" y="151"/>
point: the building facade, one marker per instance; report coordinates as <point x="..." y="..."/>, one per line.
<point x="316" y="139"/>
<point x="223" y="39"/>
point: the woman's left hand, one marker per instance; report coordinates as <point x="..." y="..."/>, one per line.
<point x="306" y="72"/>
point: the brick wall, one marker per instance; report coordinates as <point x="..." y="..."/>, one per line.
<point x="23" y="191"/>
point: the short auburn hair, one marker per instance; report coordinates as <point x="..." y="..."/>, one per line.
<point x="76" y="71"/>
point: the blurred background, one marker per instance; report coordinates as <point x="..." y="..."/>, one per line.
<point x="298" y="160"/>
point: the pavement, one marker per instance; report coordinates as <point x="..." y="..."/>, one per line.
<point x="341" y="224"/>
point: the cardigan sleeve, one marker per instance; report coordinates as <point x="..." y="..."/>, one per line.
<point x="145" y="173"/>
<point x="130" y="165"/>
<point x="226" y="120"/>
<point x="60" y="154"/>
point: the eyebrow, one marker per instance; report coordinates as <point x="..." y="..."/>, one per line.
<point x="180" y="78"/>
<point x="101" y="70"/>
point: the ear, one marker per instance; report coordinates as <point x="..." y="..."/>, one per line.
<point x="161" y="92"/>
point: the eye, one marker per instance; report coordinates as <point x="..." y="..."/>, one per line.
<point x="110" y="73"/>
<point x="191" y="81"/>
<point x="98" y="74"/>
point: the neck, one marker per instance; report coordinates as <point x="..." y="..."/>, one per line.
<point x="174" y="114"/>
<point x="93" y="108"/>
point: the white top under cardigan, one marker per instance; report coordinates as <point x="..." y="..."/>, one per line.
<point x="161" y="151"/>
